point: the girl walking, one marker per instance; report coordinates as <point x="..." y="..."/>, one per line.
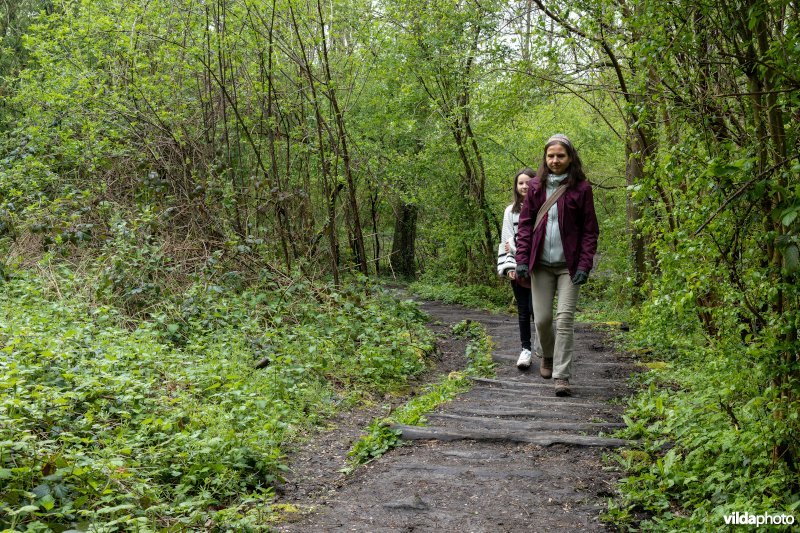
<point x="556" y="243"/>
<point x="506" y="266"/>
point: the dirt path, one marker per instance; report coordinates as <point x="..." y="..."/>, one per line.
<point x="506" y="456"/>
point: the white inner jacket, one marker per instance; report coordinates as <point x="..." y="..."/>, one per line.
<point x="553" y="250"/>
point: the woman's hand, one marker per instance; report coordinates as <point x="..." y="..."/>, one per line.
<point x="508" y="247"/>
<point x="511" y="273"/>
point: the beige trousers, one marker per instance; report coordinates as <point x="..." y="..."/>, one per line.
<point x="556" y="341"/>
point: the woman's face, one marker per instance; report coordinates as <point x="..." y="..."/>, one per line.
<point x="522" y="184"/>
<point x="557" y="158"/>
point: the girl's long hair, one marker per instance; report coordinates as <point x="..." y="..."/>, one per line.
<point x="575" y="170"/>
<point x="518" y="198"/>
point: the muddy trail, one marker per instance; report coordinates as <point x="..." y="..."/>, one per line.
<point x="506" y="456"/>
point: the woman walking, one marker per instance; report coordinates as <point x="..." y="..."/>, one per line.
<point x="506" y="266"/>
<point x="556" y="243"/>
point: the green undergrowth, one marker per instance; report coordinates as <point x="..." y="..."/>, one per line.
<point x="488" y="297"/>
<point x="381" y="436"/>
<point x="164" y="424"/>
<point x="594" y="310"/>
<point x="709" y="419"/>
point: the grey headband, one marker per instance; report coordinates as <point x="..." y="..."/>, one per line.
<point x="560" y="137"/>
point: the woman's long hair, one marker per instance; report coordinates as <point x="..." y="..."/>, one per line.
<point x="518" y="198"/>
<point x="574" y="170"/>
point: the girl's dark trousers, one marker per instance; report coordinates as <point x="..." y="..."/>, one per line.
<point x="524" y="311"/>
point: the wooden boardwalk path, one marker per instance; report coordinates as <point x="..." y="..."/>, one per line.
<point x="521" y="406"/>
<point x="506" y="456"/>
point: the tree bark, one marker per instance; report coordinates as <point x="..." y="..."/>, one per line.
<point x="405" y="233"/>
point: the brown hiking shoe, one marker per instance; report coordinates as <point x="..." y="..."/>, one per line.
<point x="546" y="368"/>
<point x="562" y="387"/>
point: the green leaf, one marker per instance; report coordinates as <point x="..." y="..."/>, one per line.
<point x="47" y="502"/>
<point x="791" y="256"/>
<point x="114" y="509"/>
<point x="41" y="491"/>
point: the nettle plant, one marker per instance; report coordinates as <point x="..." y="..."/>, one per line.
<point x="104" y="423"/>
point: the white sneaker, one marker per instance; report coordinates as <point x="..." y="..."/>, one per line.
<point x="524" y="360"/>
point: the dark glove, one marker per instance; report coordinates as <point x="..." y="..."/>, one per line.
<point x="522" y="271"/>
<point x="580" y="277"/>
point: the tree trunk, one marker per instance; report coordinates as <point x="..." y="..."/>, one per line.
<point x="405" y="234"/>
<point x="634" y="172"/>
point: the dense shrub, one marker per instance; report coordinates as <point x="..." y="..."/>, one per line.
<point x="708" y="418"/>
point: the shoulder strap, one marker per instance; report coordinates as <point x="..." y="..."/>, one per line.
<point x="549" y="203"/>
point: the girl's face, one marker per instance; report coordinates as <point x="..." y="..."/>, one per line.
<point x="522" y="184"/>
<point x="557" y="158"/>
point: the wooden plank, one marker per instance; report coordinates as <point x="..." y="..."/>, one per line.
<point x="515" y="411"/>
<point x="600" y="385"/>
<point x="524" y="397"/>
<point x="540" y="438"/>
<point x="575" y="362"/>
<point x="485" y="422"/>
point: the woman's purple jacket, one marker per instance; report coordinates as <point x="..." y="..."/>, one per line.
<point x="576" y="220"/>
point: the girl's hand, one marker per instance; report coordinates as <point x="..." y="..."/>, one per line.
<point x="508" y="247"/>
<point x="511" y="273"/>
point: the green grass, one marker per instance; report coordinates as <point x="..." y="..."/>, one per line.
<point x="494" y="298"/>
<point x="381" y="437"/>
